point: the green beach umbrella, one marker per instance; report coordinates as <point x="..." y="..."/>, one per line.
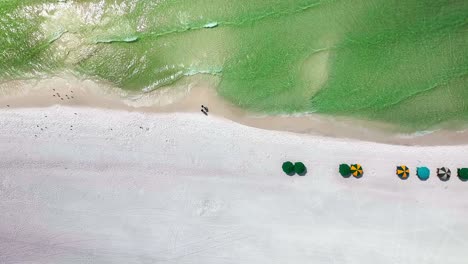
<point x="345" y="170"/>
<point x="356" y="170"/>
<point x="288" y="168"/>
<point x="423" y="173"/>
<point x="403" y="172"/>
<point x="463" y="174"/>
<point x="300" y="168"/>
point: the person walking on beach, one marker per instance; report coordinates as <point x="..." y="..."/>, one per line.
<point x="204" y="110"/>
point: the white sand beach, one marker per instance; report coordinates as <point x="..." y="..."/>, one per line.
<point x="87" y="185"/>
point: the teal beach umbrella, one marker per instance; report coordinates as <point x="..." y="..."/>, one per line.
<point x="423" y="173"/>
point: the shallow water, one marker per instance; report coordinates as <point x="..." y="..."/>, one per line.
<point x="403" y="62"/>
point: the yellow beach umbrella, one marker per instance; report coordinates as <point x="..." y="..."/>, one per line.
<point x="356" y="170"/>
<point x="403" y="172"/>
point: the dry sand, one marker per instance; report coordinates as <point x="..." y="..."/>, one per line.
<point x="91" y="174"/>
<point x="187" y="97"/>
<point x="85" y="185"/>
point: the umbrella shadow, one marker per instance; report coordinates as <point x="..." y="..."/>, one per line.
<point x="359" y="176"/>
<point x="423" y="179"/>
<point x="402" y="178"/>
<point x="303" y="173"/>
<point x="444" y="180"/>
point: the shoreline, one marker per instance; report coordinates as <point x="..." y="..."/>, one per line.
<point x="188" y="96"/>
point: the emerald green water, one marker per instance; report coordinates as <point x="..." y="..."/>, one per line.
<point x="403" y="62"/>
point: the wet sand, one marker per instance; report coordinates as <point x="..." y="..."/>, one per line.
<point x="188" y="96"/>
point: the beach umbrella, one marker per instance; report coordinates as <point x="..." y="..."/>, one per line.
<point x="356" y="170"/>
<point x="345" y="170"/>
<point x="423" y="173"/>
<point x="463" y="174"/>
<point x="288" y="168"/>
<point x="444" y="173"/>
<point x="300" y="168"/>
<point x="402" y="172"/>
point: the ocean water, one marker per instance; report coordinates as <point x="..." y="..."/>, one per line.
<point x="403" y="62"/>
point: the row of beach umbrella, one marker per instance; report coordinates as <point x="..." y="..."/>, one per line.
<point x="423" y="173"/>
<point x="297" y="168"/>
<point x="402" y="171"/>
